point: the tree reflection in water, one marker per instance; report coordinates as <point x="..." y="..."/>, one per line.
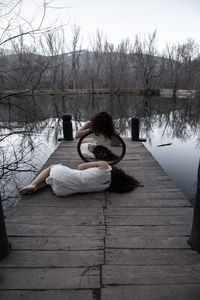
<point x="23" y="151"/>
<point x="16" y="153"/>
<point x="27" y="127"/>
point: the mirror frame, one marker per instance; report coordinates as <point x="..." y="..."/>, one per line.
<point x="112" y="163"/>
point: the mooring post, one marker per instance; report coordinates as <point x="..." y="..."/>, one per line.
<point x="135" y="130"/>
<point x="194" y="240"/>
<point x="67" y="127"/>
<point x="4" y="246"/>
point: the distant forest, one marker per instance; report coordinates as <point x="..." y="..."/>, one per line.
<point x="130" y="65"/>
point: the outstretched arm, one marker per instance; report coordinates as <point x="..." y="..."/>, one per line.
<point x="83" y="130"/>
<point x="102" y="165"/>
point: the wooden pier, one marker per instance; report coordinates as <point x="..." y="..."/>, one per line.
<point x="103" y="245"/>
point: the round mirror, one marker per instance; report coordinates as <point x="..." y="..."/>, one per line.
<point x="93" y="147"/>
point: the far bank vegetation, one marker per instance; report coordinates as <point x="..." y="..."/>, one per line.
<point x="53" y="64"/>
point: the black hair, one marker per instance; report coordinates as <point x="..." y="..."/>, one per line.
<point x="122" y="182"/>
<point x="104" y="153"/>
<point x="102" y="122"/>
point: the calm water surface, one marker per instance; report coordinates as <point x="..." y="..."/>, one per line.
<point x="29" y="132"/>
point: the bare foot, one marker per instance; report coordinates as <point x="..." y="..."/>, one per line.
<point x="31" y="188"/>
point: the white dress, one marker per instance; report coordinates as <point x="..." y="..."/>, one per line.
<point x="85" y="151"/>
<point x="66" y="181"/>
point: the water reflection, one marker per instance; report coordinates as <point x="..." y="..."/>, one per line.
<point x="23" y="151"/>
<point x="179" y="159"/>
<point x="176" y="114"/>
<point x="27" y="127"/>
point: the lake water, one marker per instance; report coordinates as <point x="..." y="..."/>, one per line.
<point x="30" y="130"/>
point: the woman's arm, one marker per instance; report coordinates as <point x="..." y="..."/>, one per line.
<point x="88" y="140"/>
<point x="102" y="165"/>
<point x="83" y="130"/>
<point x="116" y="131"/>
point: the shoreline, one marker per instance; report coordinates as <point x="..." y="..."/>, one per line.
<point x="144" y="92"/>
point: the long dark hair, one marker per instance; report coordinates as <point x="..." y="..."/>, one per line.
<point x="102" y="122"/>
<point x="122" y="182"/>
<point x="104" y="153"/>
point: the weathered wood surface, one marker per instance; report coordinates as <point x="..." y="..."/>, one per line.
<point x="103" y="245"/>
<point x="152" y="292"/>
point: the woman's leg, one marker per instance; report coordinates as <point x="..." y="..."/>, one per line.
<point x="37" y="183"/>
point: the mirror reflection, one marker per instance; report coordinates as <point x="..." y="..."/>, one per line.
<point x="93" y="147"/>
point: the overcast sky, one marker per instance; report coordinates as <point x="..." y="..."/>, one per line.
<point x="174" y="20"/>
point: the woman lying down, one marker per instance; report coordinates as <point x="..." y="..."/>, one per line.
<point x="88" y="177"/>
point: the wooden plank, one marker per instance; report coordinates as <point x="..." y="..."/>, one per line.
<point x="55" y="230"/>
<point x="176" y="274"/>
<point x="142" y="194"/>
<point x="58" y="220"/>
<point x="80" y="294"/>
<point x="64" y="161"/>
<point x="50" y="278"/>
<point x="50" y="259"/>
<point x="154" y="186"/>
<point x="152" y="292"/>
<point x="140" y="172"/>
<point x="155" y="211"/>
<point x="47" y="194"/>
<point x="155" y="182"/>
<point x="62" y="153"/>
<point x="153" y="190"/>
<point x="149" y="220"/>
<point x="57" y="202"/>
<point x="147" y="202"/>
<point x="142" y="165"/>
<point x="57" y="243"/>
<point x="57" y="211"/>
<point x="146" y="230"/>
<point x="147" y="242"/>
<point x="150" y="257"/>
<point x="136" y="167"/>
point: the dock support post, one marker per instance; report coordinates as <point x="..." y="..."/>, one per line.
<point x="135" y="130"/>
<point x="67" y="127"/>
<point x="194" y="240"/>
<point x="4" y="246"/>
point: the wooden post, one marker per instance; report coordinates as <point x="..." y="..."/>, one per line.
<point x="135" y="129"/>
<point x="4" y="247"/>
<point x="194" y="240"/>
<point x="67" y="127"/>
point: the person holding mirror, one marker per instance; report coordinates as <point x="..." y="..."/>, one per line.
<point x="100" y="123"/>
<point x="96" y="176"/>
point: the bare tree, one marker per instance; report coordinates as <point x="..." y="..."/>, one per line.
<point x="109" y="65"/>
<point x="94" y="62"/>
<point x="74" y="59"/>
<point x="189" y="53"/>
<point x="25" y="67"/>
<point x="147" y="64"/>
<point x="123" y="64"/>
<point x="174" y="59"/>
<point x="63" y="67"/>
